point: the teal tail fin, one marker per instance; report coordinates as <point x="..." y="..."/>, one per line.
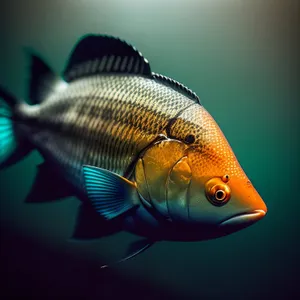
<point x="12" y="147"/>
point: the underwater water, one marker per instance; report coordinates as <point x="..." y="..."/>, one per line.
<point x="241" y="58"/>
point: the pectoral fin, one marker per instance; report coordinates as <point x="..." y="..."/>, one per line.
<point x="110" y="194"/>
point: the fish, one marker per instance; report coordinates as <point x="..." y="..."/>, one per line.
<point x="137" y="148"/>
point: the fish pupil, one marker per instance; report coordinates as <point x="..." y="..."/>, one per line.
<point x="220" y="195"/>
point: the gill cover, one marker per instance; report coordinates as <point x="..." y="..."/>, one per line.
<point x="153" y="171"/>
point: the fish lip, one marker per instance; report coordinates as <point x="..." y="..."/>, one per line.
<point x="244" y="219"/>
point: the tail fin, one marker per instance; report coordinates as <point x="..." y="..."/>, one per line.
<point x="12" y="147"/>
<point x="44" y="81"/>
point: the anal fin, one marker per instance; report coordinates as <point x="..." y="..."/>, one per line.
<point x="90" y="225"/>
<point x="48" y="186"/>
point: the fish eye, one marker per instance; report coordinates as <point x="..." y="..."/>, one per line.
<point x="217" y="193"/>
<point x="189" y="139"/>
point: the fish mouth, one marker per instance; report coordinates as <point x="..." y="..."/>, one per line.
<point x="243" y="220"/>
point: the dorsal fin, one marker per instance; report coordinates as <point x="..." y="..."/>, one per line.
<point x="43" y="80"/>
<point x="177" y="86"/>
<point x="101" y="54"/>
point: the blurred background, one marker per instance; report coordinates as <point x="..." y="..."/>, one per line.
<point x="241" y="58"/>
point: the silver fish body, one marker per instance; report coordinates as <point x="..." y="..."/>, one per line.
<point x="103" y="121"/>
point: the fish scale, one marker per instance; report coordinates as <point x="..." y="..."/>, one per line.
<point x="136" y="110"/>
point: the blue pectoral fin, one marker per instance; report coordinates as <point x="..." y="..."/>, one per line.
<point x="109" y="193"/>
<point x="48" y="186"/>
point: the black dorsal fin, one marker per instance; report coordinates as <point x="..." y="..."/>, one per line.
<point x="43" y="80"/>
<point x="177" y="86"/>
<point x="101" y="54"/>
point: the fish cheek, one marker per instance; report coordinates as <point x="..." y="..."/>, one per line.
<point x="177" y="191"/>
<point x="201" y="211"/>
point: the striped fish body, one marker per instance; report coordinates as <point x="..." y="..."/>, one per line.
<point x="103" y="121"/>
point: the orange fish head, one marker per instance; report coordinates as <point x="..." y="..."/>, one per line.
<point x="208" y="187"/>
<point x="228" y="203"/>
<point x="219" y="203"/>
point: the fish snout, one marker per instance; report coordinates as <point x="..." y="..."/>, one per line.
<point x="251" y="207"/>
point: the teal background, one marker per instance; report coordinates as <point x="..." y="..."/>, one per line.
<point x="241" y="58"/>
